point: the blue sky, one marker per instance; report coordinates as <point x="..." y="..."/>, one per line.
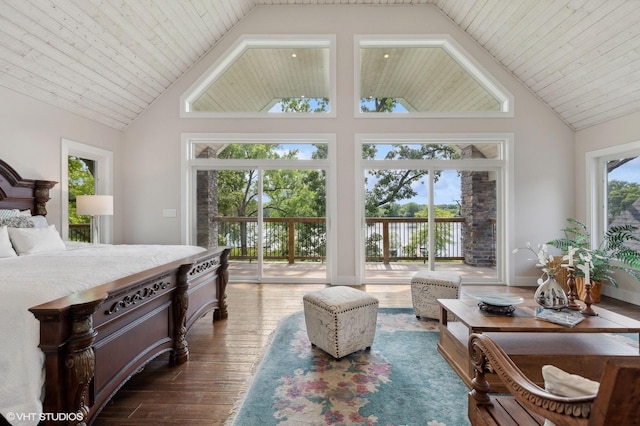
<point x="629" y="172"/>
<point x="447" y="189"/>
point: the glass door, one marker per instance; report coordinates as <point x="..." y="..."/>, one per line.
<point x="267" y="201"/>
<point x="429" y="206"/>
<point x="227" y="215"/>
<point x="294" y="231"/>
<point x="81" y="172"/>
<point x="396" y="222"/>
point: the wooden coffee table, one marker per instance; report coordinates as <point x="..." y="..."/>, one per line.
<point x="531" y="342"/>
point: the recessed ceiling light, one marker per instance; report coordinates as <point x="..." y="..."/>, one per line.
<point x="386" y="56"/>
<point x="293" y="55"/>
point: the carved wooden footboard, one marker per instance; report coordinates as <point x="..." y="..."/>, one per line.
<point x="95" y="340"/>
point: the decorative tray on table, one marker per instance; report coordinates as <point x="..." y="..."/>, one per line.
<point x="497" y="303"/>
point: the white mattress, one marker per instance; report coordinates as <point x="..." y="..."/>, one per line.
<point x="28" y="281"/>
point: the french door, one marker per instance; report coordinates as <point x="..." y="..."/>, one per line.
<point x="267" y="201"/>
<point x="430" y="204"/>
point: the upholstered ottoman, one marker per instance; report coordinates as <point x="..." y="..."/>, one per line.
<point x="340" y="320"/>
<point x="428" y="286"/>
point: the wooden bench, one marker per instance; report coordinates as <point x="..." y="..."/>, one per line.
<point x="617" y="401"/>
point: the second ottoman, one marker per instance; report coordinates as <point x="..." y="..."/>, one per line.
<point x="429" y="286"/>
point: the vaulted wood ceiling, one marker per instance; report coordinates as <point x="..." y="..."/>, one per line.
<point x="108" y="61"/>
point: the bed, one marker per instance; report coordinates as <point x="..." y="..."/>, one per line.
<point x="115" y="308"/>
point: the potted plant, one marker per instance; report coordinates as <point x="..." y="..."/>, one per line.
<point x="610" y="256"/>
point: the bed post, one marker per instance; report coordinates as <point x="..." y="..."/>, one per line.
<point x="41" y="196"/>
<point x="221" y="282"/>
<point x="66" y="338"/>
<point x="80" y="358"/>
<point x="180" y="353"/>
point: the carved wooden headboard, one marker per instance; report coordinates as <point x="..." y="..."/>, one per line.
<point x="23" y="194"/>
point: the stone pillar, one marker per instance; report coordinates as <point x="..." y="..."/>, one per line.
<point x="207" y="204"/>
<point x="478" y="208"/>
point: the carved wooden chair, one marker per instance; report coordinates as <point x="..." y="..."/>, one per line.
<point x="616" y="403"/>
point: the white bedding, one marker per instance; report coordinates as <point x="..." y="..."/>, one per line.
<point x="27" y="281"/>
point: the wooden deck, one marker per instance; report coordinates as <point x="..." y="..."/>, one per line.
<point x="223" y="356"/>
<point x="395" y="272"/>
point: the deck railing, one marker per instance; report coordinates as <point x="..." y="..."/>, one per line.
<point x="80" y="232"/>
<point x="394" y="239"/>
<point x="304" y="239"/>
<point x="296" y="239"/>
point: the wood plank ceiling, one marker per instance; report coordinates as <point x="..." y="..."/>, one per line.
<point x="108" y="61"/>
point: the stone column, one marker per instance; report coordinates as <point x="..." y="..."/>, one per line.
<point x="207" y="203"/>
<point x="478" y="208"/>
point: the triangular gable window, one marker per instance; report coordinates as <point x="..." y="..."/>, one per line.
<point x="425" y="77"/>
<point x="292" y="76"/>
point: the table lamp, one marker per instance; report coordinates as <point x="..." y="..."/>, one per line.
<point x="94" y="206"/>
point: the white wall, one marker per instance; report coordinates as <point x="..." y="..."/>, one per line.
<point x="614" y="132"/>
<point x="544" y="166"/>
<point x="30" y="134"/>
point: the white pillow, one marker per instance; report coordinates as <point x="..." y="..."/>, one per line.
<point x="561" y="383"/>
<point x="17" y="222"/>
<point x="7" y="213"/>
<point x="39" y="221"/>
<point x="6" y="250"/>
<point x="35" y="240"/>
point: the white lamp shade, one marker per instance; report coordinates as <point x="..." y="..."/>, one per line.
<point x="94" y="205"/>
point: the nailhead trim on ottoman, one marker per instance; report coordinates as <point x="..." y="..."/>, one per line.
<point x="428" y="286"/>
<point x="340" y="320"/>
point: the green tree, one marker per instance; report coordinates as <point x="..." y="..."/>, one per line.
<point x="304" y="104"/>
<point x="391" y="185"/>
<point x="297" y="193"/>
<point x="420" y="237"/>
<point x="292" y="193"/>
<point x="379" y="104"/>
<point x="392" y="209"/>
<point x="440" y="211"/>
<point x="372" y="245"/>
<point x="410" y="209"/>
<point x="237" y="192"/>
<point x="287" y="193"/>
<point x="620" y="196"/>
<point x="81" y="182"/>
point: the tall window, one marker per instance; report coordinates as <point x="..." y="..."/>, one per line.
<point x="266" y="198"/>
<point x="434" y="203"/>
<point x="81" y="182"/>
<point x="623" y="191"/>
<point x="85" y="170"/>
<point x="615" y="188"/>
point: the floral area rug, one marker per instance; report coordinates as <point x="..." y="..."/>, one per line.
<point x="402" y="380"/>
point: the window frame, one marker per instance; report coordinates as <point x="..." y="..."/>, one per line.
<point x="103" y="181"/>
<point x="190" y="165"/>
<point x="596" y="185"/>
<point x="264" y="41"/>
<point x="503" y="167"/>
<point x="463" y="58"/>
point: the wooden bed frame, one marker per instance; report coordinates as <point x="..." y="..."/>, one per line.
<point x="95" y="340"/>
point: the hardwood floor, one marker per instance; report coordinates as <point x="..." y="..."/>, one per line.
<point x="223" y="356"/>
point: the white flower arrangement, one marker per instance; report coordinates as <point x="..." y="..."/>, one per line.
<point x="548" y="263"/>
<point x="585" y="263"/>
